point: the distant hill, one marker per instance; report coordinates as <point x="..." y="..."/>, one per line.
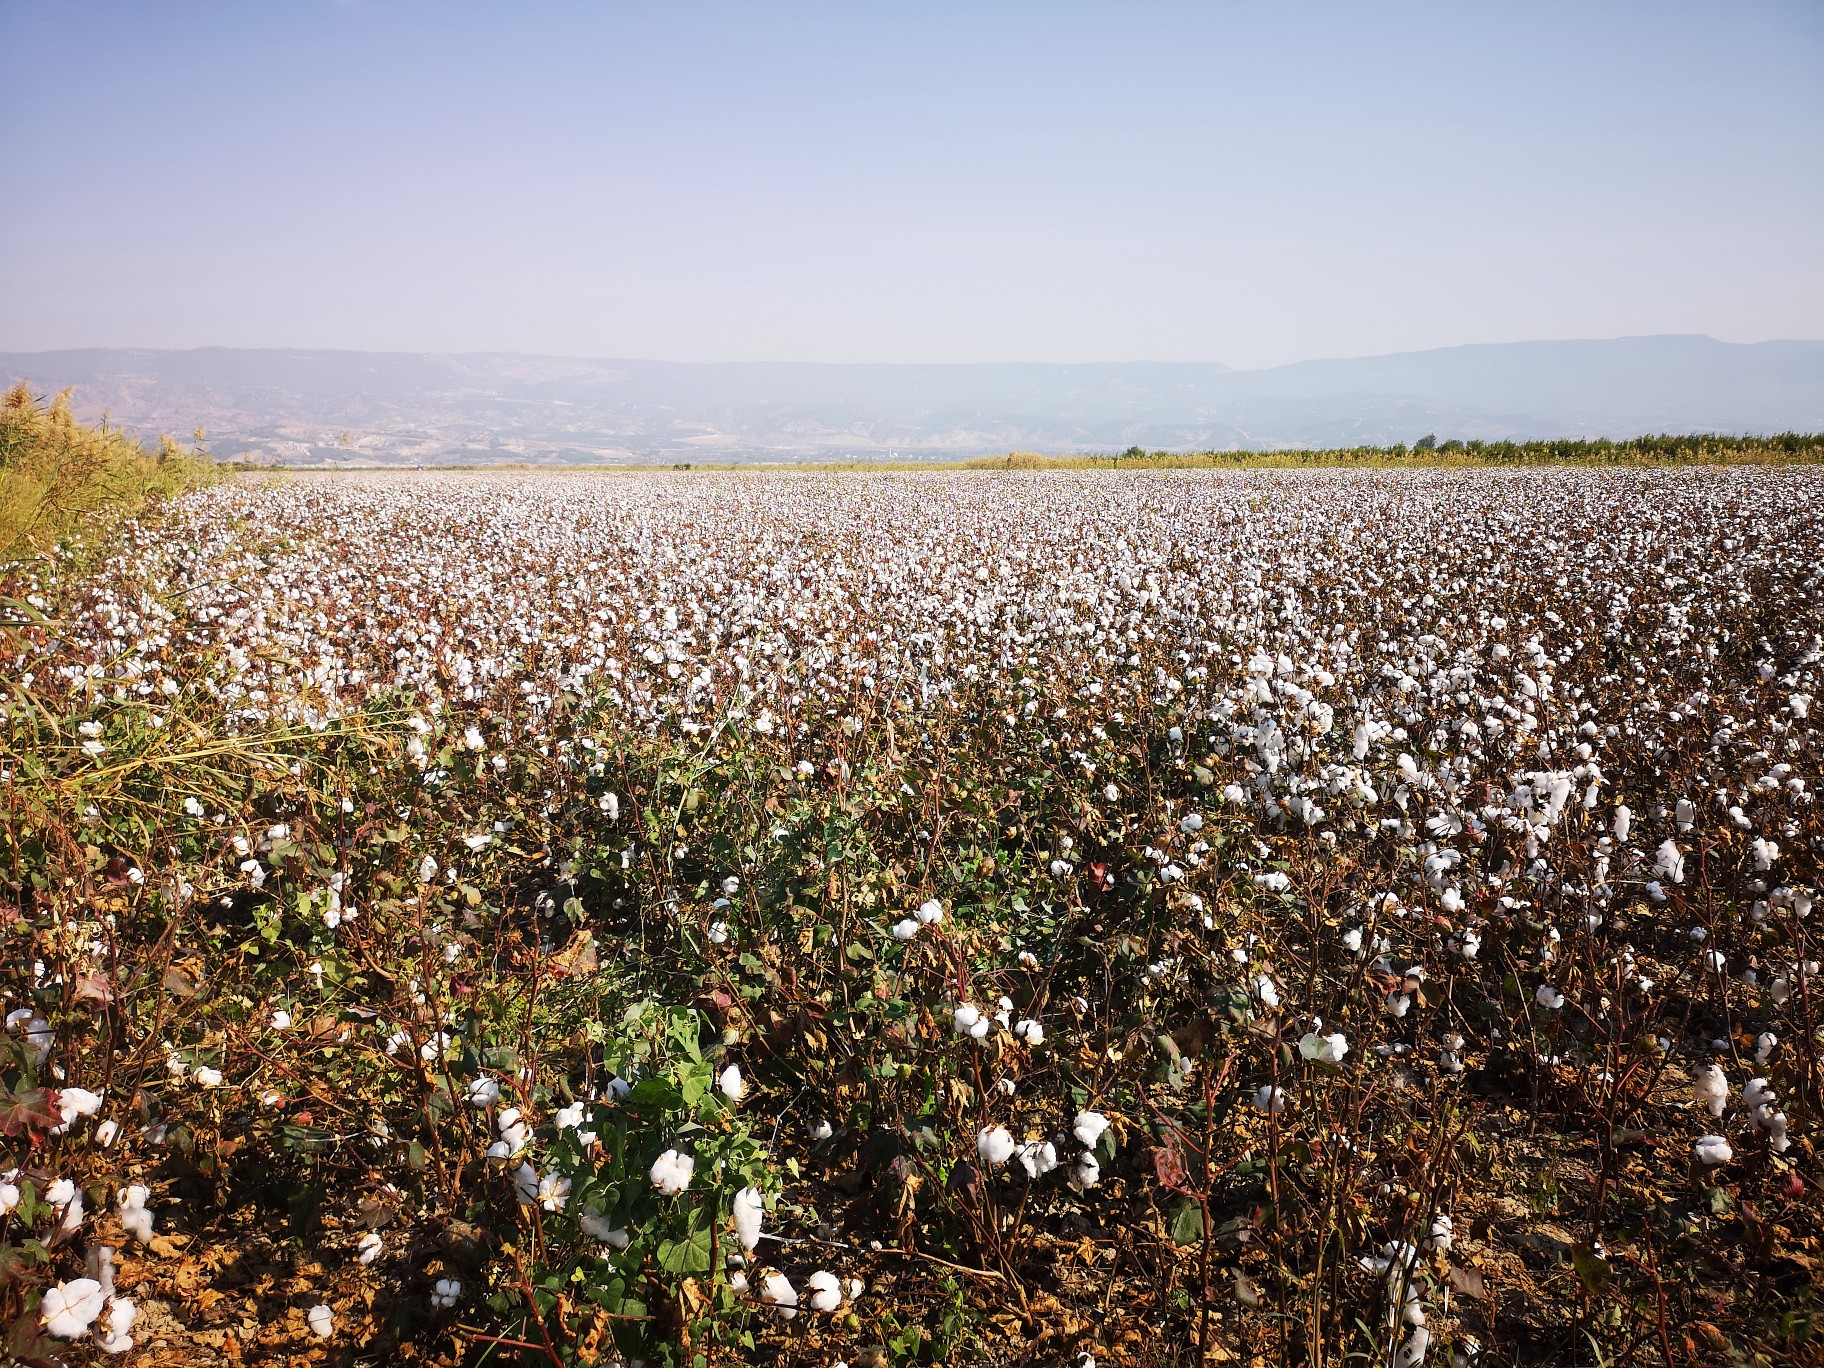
<point x="410" y="408"/>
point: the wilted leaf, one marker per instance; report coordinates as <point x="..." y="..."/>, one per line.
<point x="27" y="1113"/>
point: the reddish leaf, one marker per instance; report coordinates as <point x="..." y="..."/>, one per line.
<point x="27" y="1113"/>
<point x="1168" y="1165"/>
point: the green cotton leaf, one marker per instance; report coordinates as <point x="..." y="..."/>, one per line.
<point x="654" y="1094"/>
<point x="1187" y="1225"/>
<point x="684" y="1257"/>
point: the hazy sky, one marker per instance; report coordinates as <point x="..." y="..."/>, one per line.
<point x="920" y="182"/>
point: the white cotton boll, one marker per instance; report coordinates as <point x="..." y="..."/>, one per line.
<point x="930" y="912"/>
<point x="671" y="1172"/>
<point x="1684" y="814"/>
<point x="1441" y="1232"/>
<point x="1715" y="961"/>
<point x="73" y="1103"/>
<point x="731" y="1083"/>
<point x="1031" y="1032"/>
<point x="322" y="1321"/>
<point x="553" y="1192"/>
<point x="1413" y="1351"/>
<point x="60" y="1192"/>
<point x="484" y="1092"/>
<point x="1265" y="990"/>
<point x="113" y="1336"/>
<point x="599" y="1227"/>
<point x="737" y="1283"/>
<point x="1112" y="793"/>
<point x="825" y="1291"/>
<point x="446" y="1293"/>
<point x="1711" y="1151"/>
<point x="1548" y="997"/>
<point x="994" y="1145"/>
<point x="1328" y="1049"/>
<point x="280" y="1019"/>
<point x="1764" y="1045"/>
<point x="1624" y="823"/>
<point x="368" y="1248"/>
<point x="905" y="930"/>
<point x="820" y="1130"/>
<point x="1038" y="1158"/>
<point x="1089" y="1127"/>
<point x="135" y="1218"/>
<point x="206" y="1077"/>
<point x="70" y="1308"/>
<point x="1669" y="862"/>
<point x="777" y="1291"/>
<point x="966" y="1018"/>
<point x="1800" y="705"/>
<point x="747" y="1212"/>
<point x="1085" y="1172"/>
<point x="1192" y="822"/>
<point x="1777" y="1138"/>
<point x="1269" y="1099"/>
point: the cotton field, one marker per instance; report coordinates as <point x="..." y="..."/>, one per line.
<point x="1146" y="918"/>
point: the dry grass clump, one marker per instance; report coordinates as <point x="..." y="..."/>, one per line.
<point x="55" y="471"/>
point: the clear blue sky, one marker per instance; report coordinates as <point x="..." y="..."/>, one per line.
<point x="921" y="182"/>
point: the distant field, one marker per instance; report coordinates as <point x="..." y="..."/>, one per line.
<point x="1163" y="916"/>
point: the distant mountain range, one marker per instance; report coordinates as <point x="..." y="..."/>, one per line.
<point x="400" y="408"/>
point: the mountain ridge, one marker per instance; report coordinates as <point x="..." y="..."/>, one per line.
<point x="294" y="405"/>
